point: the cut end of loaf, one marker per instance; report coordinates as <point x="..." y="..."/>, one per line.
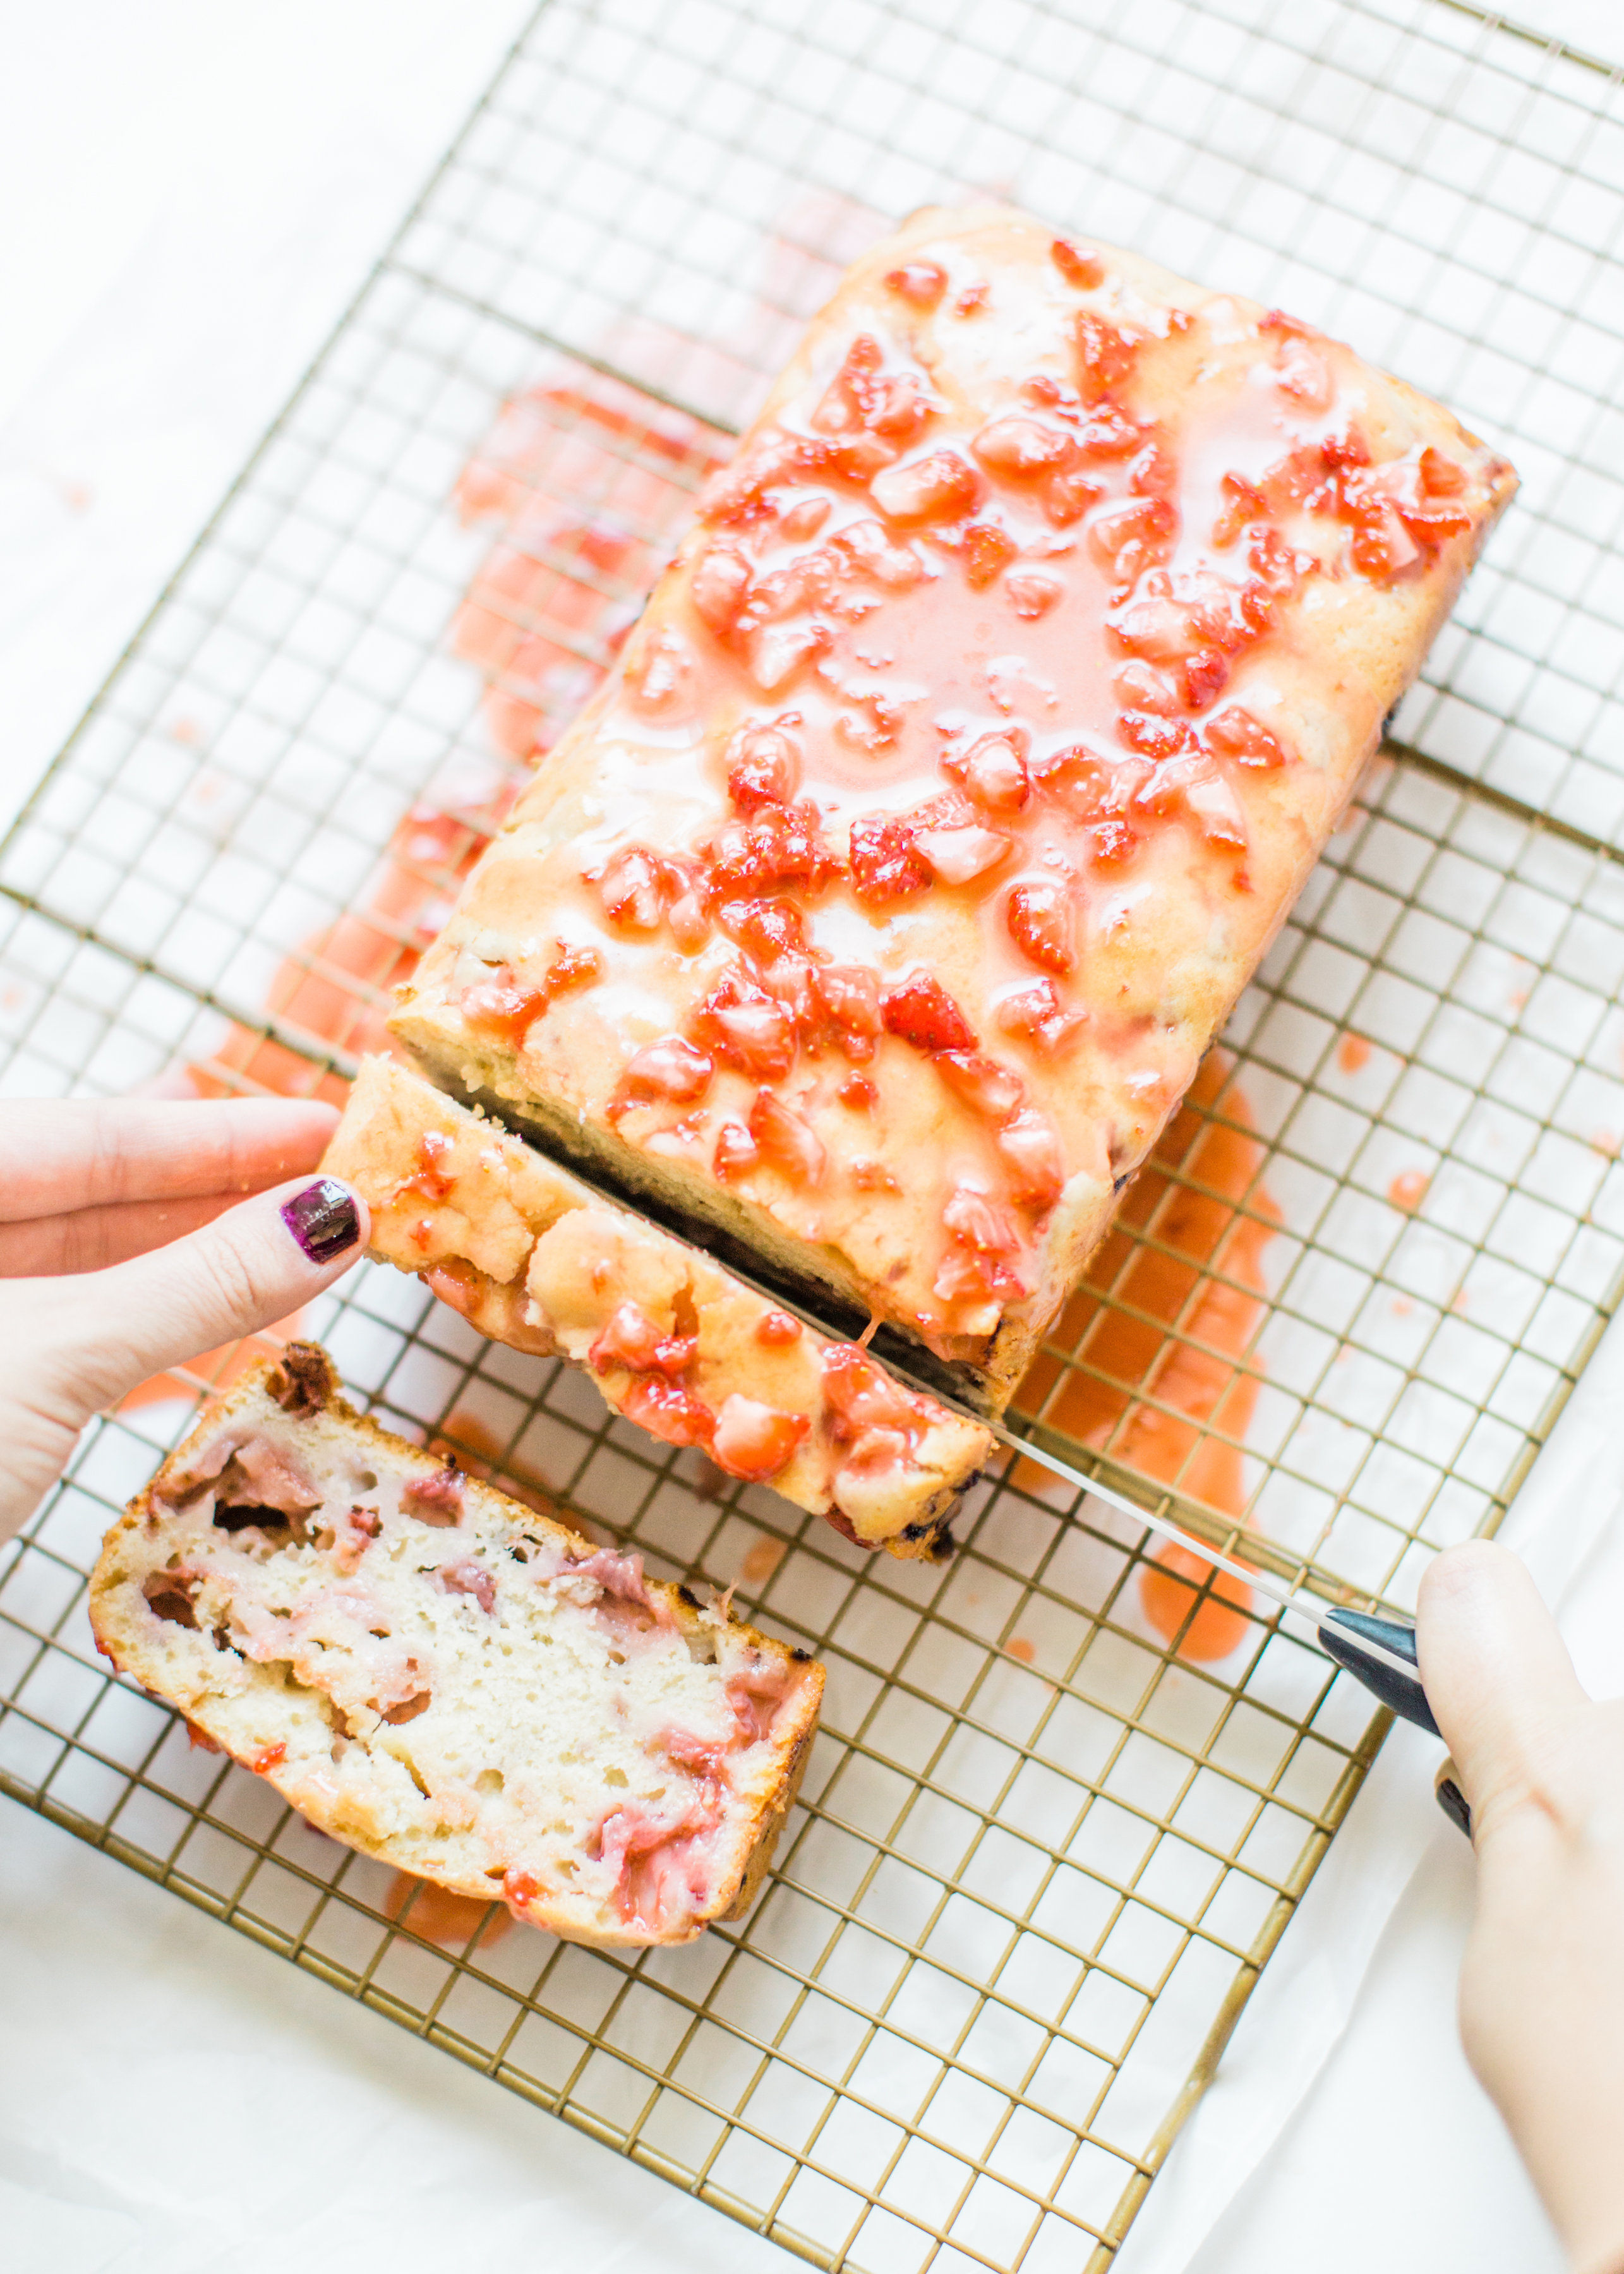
<point x="533" y="1257"/>
<point x="448" y="1681"/>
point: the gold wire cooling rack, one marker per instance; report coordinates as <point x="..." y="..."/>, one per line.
<point x="1065" y="1797"/>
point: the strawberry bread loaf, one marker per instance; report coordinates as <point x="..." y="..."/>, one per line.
<point x="872" y="919"/>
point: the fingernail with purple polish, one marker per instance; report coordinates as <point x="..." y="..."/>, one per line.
<point x="323" y="1219"/>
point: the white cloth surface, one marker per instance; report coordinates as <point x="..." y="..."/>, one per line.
<point x="202" y="187"/>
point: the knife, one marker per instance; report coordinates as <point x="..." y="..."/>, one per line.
<point x="1381" y="1653"/>
<point x="1378" y="1653"/>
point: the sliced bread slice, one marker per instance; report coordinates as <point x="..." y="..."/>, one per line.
<point x="447" y="1680"/>
<point x="533" y="1257"/>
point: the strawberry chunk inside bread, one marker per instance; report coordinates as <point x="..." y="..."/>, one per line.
<point x="533" y="1257"/>
<point x="448" y="1681"/>
<point x="876" y="914"/>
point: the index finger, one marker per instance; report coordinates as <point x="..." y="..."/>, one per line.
<point x="1496" y="1672"/>
<point x="57" y="1154"/>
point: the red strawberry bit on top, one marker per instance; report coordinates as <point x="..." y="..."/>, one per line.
<point x="921" y="1013"/>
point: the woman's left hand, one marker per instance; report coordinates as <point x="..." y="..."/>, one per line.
<point x="126" y="1245"/>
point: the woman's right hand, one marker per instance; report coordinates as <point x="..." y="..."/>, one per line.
<point x="1542" y="1988"/>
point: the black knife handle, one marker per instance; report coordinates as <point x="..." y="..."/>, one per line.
<point x="1341" y="1634"/>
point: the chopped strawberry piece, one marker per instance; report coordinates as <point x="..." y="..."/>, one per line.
<point x="1104" y="355"/>
<point x="736" y="1154"/>
<point x="739" y="493"/>
<point x="788" y="979"/>
<point x="636" y="887"/>
<point x="1078" y="266"/>
<point x="1155" y="628"/>
<point x="1022" y="450"/>
<point x="922" y="282"/>
<point x="980" y="1222"/>
<point x="1151" y="736"/>
<point x="842" y="406"/>
<point x="803" y="520"/>
<point x="1108" y="433"/>
<point x="777" y="1328"/>
<point x="432" y="1180"/>
<point x="922" y="1012"/>
<point x="752" y="1439"/>
<point x="993" y="770"/>
<point x="669" y="1069"/>
<point x="971" y="301"/>
<point x="883" y="862"/>
<point x="892" y="407"/>
<point x="774" y="653"/>
<point x="1440" y="477"/>
<point x="1206" y="675"/>
<point x="721" y="579"/>
<point x="1038" y="917"/>
<point x="971" y="1274"/>
<point x="1079" y="778"/>
<point x="667" y="1411"/>
<point x="764" y="929"/>
<point x="1153" y="472"/>
<point x="520" y="1887"/>
<point x="1305" y="375"/>
<point x="868" y="547"/>
<point x="1038" y="1015"/>
<point x="786" y="1139"/>
<point x="658" y="670"/>
<point x="763" y="768"/>
<point x="1032" y="597"/>
<point x="992" y="1090"/>
<point x="782" y="844"/>
<point x="269" y="1756"/>
<point x="987" y="552"/>
<point x="858" y="1094"/>
<point x="850" y="996"/>
<point x="1382" y="546"/>
<point x="1215" y="809"/>
<point x="747" y="1028"/>
<point x="1114" y="843"/>
<point x="1242" y="505"/>
<point x="436" y="1499"/>
<point x="1433" y="524"/>
<point x="1030" y="1146"/>
<point x="502" y="1006"/>
<point x="1235" y="733"/>
<point x="1339" y="451"/>
<point x="1141" y="687"/>
<point x="1068" y="496"/>
<point x="468" y="1577"/>
<point x="1277" y="568"/>
<point x="1132" y="538"/>
<point x="957" y="856"/>
<point x="861" y="1395"/>
<point x="941" y="487"/>
<point x="631" y="1339"/>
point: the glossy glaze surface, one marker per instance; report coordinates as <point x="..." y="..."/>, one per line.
<point x="965" y="761"/>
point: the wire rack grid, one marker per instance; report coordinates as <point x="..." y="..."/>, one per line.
<point x="1065" y="1799"/>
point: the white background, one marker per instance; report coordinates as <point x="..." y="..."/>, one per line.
<point x="190" y="191"/>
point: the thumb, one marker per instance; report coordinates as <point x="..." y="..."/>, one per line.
<point x="1496" y="1672"/>
<point x="104" y="1331"/>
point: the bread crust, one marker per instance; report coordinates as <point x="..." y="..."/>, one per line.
<point x="534" y="1258"/>
<point x="253" y="1705"/>
<point x="1182" y="748"/>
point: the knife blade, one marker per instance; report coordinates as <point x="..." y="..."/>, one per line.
<point x="1377" y="1651"/>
